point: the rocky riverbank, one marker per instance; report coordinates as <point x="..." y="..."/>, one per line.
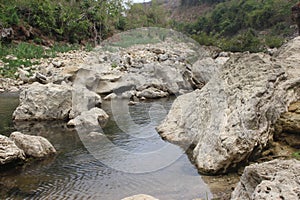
<point x="232" y="108"/>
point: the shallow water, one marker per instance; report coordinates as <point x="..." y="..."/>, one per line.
<point x="92" y="168"/>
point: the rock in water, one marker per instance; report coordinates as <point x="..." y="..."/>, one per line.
<point x="140" y="197"/>
<point x="44" y="102"/>
<point x="9" y="152"/>
<point x="277" y="179"/>
<point x="83" y="100"/>
<point x="90" y="120"/>
<point x="230" y="119"/>
<point x="33" y="146"/>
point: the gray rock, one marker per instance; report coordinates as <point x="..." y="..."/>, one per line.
<point x="112" y="77"/>
<point x="277" y="179"/>
<point x="7" y="33"/>
<point x="57" y="64"/>
<point x="83" y="100"/>
<point x="110" y="97"/>
<point x="163" y="57"/>
<point x="140" y="197"/>
<point x="203" y="70"/>
<point x="23" y="75"/>
<point x="89" y="120"/>
<point x="231" y="118"/>
<point x="33" y="146"/>
<point x="44" y="102"/>
<point x="9" y="151"/>
<point x="128" y="94"/>
<point x="118" y="87"/>
<point x="41" y="78"/>
<point x="151" y="93"/>
<point x="158" y="51"/>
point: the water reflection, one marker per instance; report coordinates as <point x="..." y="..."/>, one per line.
<point x="8" y="103"/>
<point x="75" y="174"/>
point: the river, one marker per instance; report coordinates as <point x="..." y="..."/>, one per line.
<point x="77" y="172"/>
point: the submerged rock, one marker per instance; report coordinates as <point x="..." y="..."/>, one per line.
<point x="277" y="179"/>
<point x="9" y="151"/>
<point x="230" y="120"/>
<point x="44" y="102"/>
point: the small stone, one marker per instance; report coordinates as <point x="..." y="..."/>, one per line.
<point x="158" y="51"/>
<point x="132" y="103"/>
<point x="41" y="78"/>
<point x="163" y="57"/>
<point x="110" y="97"/>
<point x="57" y="64"/>
<point x="23" y="75"/>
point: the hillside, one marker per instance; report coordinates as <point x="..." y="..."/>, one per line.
<point x="184" y="13"/>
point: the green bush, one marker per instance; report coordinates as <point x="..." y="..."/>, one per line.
<point x="25" y="52"/>
<point x="235" y="25"/>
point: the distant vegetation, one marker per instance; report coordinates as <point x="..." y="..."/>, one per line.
<point x="234" y="25"/>
<point x="69" y="20"/>
<point x="242" y="25"/>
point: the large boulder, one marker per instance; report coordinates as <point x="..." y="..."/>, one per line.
<point x="44" y="102"/>
<point x="9" y="151"/>
<point x="277" y="179"/>
<point x="33" y="146"/>
<point x="230" y="119"/>
<point x="54" y="102"/>
<point x="140" y="197"/>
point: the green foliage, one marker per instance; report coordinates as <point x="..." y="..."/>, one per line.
<point x="296" y="155"/>
<point x="69" y="20"/>
<point x="152" y="15"/>
<point x="24" y="53"/>
<point x="8" y="15"/>
<point x="114" y="65"/>
<point x="247" y="41"/>
<point x="274" y="41"/>
<point x="236" y="25"/>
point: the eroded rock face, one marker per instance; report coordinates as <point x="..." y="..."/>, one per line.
<point x="231" y="118"/>
<point x="204" y="69"/>
<point x="33" y="146"/>
<point x="277" y="179"/>
<point x="140" y="197"/>
<point x="44" y="102"/>
<point x="290" y="121"/>
<point x="9" y="151"/>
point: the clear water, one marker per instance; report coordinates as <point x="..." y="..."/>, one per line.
<point x="78" y="171"/>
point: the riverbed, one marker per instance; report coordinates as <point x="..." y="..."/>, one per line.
<point x="79" y="172"/>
